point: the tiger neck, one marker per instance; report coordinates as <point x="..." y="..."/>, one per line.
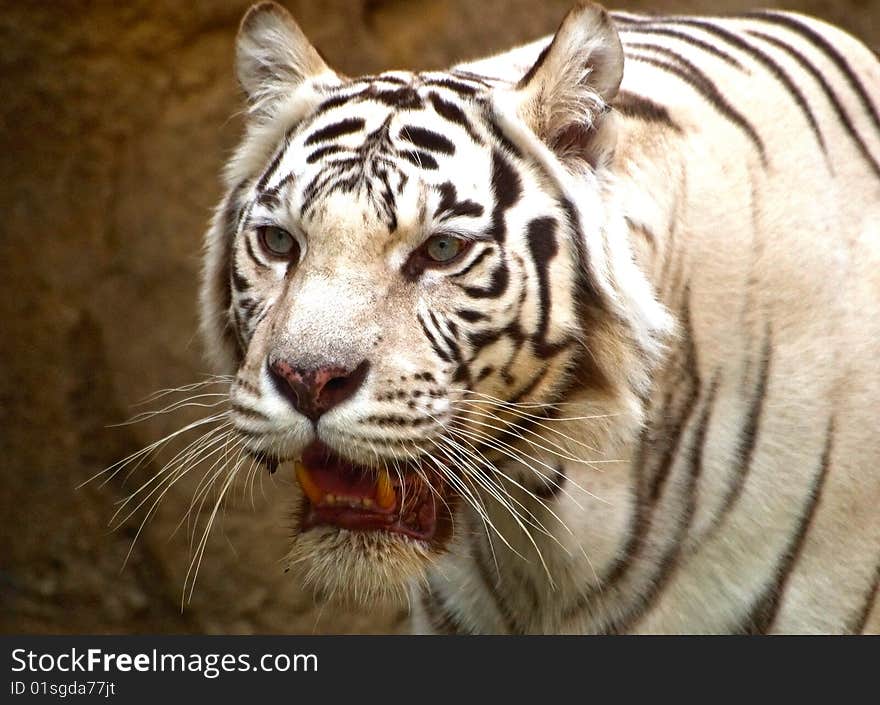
<point x="650" y="195"/>
<point x="553" y="548"/>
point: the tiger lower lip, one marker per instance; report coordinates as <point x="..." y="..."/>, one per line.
<point x="345" y="495"/>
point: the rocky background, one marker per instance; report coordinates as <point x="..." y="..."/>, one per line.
<point x="115" y="119"/>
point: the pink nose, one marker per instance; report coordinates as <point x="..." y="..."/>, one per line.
<point x="312" y="392"/>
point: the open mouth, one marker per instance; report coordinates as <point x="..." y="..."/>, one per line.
<point x="412" y="502"/>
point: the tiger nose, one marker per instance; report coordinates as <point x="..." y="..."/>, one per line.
<point x="312" y="392"/>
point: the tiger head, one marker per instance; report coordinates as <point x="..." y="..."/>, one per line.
<point x="400" y="261"/>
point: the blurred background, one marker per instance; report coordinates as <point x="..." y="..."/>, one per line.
<point x="115" y="120"/>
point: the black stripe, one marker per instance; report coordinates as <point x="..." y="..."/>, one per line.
<point x="672" y="555"/>
<point x="861" y="619"/>
<point x="450" y="111"/>
<point x="232" y="214"/>
<point x="475" y="261"/>
<point x="824" y="45"/>
<point x="587" y="295"/>
<point x="323" y="152"/>
<point x="749" y="435"/>
<point x="698" y="447"/>
<point x="269" y="199"/>
<point x="697" y="80"/>
<point x="667" y="425"/>
<point x="643" y="230"/>
<point x="273" y="165"/>
<point x="442" y="620"/>
<point x="406" y="98"/>
<point x="530" y="74"/>
<point x="451" y="207"/>
<point x="459" y="87"/>
<point x="498" y="281"/>
<point x="336" y="101"/>
<point x="249" y="413"/>
<point x="422" y="160"/>
<point x="673" y="428"/>
<point x="485" y="372"/>
<point x="427" y="139"/>
<point x="507" y="189"/>
<point x="549" y="488"/>
<point x="264" y="310"/>
<point x="440" y="352"/>
<point x="507" y="615"/>
<point x="688" y="39"/>
<point x="471" y="76"/>
<point x="775" y="69"/>
<point x="829" y="93"/>
<point x="470" y="316"/>
<point x="248" y="306"/>
<point x="239" y="283"/>
<point x="334" y="130"/>
<point x="451" y="345"/>
<point x="250" y="251"/>
<point x="530" y="387"/>
<point x="644" y="109"/>
<point x="766" y="607"/>
<point x="482" y="338"/>
<point x="385" y="78"/>
<point x="498" y="133"/>
<point x="316" y="186"/>
<point x="543" y="247"/>
<point x="251" y="389"/>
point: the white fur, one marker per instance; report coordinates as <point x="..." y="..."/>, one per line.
<point x="700" y="253"/>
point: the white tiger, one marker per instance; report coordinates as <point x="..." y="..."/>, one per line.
<point x="580" y="338"/>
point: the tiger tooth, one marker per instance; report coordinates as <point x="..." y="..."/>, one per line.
<point x="312" y="491"/>
<point x="386" y="498"/>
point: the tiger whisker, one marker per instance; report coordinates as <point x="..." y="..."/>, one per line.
<point x="188" y="402"/>
<point x="535" y="405"/>
<point x="205" y="485"/>
<point x="415" y="464"/>
<point x="148" y="451"/>
<point x="532" y="419"/>
<point x="494" y="469"/>
<point x="168" y="483"/>
<point x="516" y="454"/>
<point x="200" y="550"/>
<point x="515" y="430"/>
<point x="531" y="519"/>
<point x="496" y="492"/>
<point x="571" y="458"/>
<point x="181" y="457"/>
<point x="469" y="497"/>
<point x="170" y="477"/>
<point x="215" y="379"/>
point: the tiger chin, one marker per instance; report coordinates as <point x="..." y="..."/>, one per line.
<point x="544" y="339"/>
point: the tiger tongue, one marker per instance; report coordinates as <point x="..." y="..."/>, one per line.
<point x="328" y="479"/>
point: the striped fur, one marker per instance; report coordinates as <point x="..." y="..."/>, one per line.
<point x="654" y="369"/>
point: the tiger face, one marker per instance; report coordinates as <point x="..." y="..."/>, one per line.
<point x="398" y="260"/>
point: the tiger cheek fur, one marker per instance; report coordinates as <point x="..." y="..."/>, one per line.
<point x="485" y="316"/>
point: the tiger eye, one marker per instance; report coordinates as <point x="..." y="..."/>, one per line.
<point x="278" y="242"/>
<point x="443" y="248"/>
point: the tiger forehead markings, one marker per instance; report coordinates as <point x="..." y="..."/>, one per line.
<point x="374" y="181"/>
<point x="576" y="338"/>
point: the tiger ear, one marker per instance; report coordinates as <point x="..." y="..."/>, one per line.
<point x="273" y="57"/>
<point x="564" y="96"/>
